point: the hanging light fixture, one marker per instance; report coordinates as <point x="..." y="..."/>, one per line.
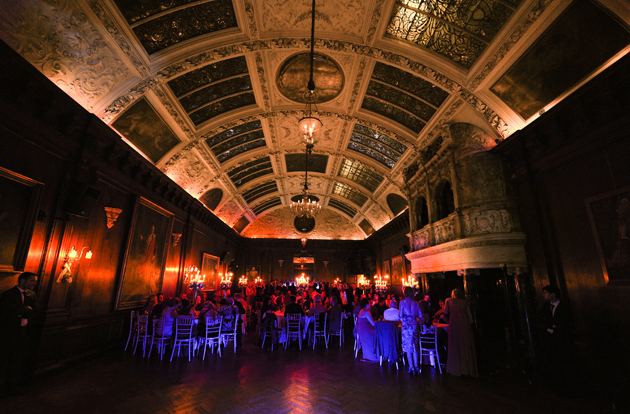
<point x="310" y="128"/>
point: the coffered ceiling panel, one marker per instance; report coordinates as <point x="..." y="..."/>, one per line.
<point x="460" y="30"/>
<point x="193" y="86"/>
<point x="360" y="174"/>
<point x="161" y="24"/>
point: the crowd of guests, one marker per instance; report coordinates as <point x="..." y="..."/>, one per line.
<point x="413" y="313"/>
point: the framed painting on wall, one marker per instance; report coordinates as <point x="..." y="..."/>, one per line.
<point x="385" y="270"/>
<point x="210" y="268"/>
<point x="609" y="215"/>
<point x="398" y="270"/>
<point x="253" y="271"/>
<point x="19" y="199"/>
<point x="145" y="257"/>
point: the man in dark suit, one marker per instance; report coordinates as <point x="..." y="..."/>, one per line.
<point x="558" y="340"/>
<point x="18" y="308"/>
<point x="293" y="307"/>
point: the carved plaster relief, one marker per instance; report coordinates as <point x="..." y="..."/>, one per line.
<point x="345" y="17"/>
<point x="316" y="185"/>
<point x="230" y="212"/>
<point x="377" y="216"/>
<point x="480" y="179"/>
<point x="421" y="239"/>
<point x="59" y="40"/>
<point x="490" y="221"/>
<point x="279" y="223"/>
<point x="288" y="134"/>
<point x="190" y="173"/>
<point x="444" y="231"/>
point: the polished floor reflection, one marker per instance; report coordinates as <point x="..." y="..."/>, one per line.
<point x="291" y="381"/>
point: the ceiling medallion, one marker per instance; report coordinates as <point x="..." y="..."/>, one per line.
<point x="294" y="72"/>
<point x="310" y="128"/>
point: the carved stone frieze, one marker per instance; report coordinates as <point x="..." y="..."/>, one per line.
<point x="59" y="40"/>
<point x="489" y="221"/>
<point x="444" y="231"/>
<point x="124" y="101"/>
<point x="421" y="239"/>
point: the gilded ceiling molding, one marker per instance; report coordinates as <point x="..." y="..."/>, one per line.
<point x="120" y="39"/>
<point x="515" y="36"/>
<point x="438" y="129"/>
<point x="262" y="79"/>
<point x="251" y="19"/>
<point x="59" y="40"/>
<point x="168" y="104"/>
<point x="376" y="18"/>
<point x="340" y="46"/>
<point x="357" y="84"/>
<point x="122" y="102"/>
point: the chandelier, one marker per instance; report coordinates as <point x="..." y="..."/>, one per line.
<point x="380" y="283"/>
<point x="301" y="282"/>
<point x="411" y="282"/>
<point x="242" y="282"/>
<point x="310" y="127"/>
<point x="226" y="281"/>
<point x="362" y="282"/>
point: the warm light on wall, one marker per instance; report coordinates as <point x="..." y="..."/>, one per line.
<point x="71" y="258"/>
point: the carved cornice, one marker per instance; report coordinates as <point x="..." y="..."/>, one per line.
<point x="516" y="35"/>
<point x="392" y="58"/>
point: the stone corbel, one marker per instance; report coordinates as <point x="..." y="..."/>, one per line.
<point x="517" y="271"/>
<point x="463" y="272"/>
<point x="112" y="215"/>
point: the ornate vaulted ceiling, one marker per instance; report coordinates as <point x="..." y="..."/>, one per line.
<point x="198" y="87"/>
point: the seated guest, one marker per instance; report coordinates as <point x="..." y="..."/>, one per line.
<point x="293" y="307"/>
<point x="365" y="330"/>
<point x="425" y="309"/>
<point x="157" y="309"/>
<point x="317" y="308"/>
<point x="147" y="308"/>
<point x="439" y="315"/>
<point x="186" y="309"/>
<point x="199" y="301"/>
<point x="391" y="314"/>
<point x="229" y="312"/>
<point x="334" y="315"/>
<point x="378" y="309"/>
<point x="169" y="314"/>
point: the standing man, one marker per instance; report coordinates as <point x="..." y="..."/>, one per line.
<point x="557" y="340"/>
<point x="18" y="308"/>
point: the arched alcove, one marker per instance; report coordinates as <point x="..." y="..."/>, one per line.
<point x="422" y="212"/>
<point x="396" y="203"/>
<point x="212" y="198"/>
<point x="444" y="200"/>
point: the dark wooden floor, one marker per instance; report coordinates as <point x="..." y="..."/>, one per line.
<point x="291" y="381"/>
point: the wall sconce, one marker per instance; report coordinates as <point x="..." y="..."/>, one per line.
<point x="112" y="215"/>
<point x="66" y="270"/>
<point x="175" y="238"/>
<point x="303" y="240"/>
<point x="280" y="261"/>
<point x="325" y="263"/>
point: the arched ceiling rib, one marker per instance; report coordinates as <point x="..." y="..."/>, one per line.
<point x="191" y="84"/>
